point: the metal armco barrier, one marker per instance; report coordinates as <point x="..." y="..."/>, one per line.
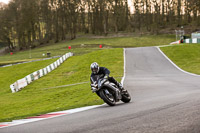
<point x="21" y="83"/>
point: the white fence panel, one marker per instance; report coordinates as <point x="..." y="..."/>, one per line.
<point x="67" y="55"/>
<point x="36" y="75"/>
<point x="45" y="71"/>
<point x="64" y="57"/>
<point x="58" y="62"/>
<point x="48" y="69"/>
<point x="41" y="73"/>
<point x="14" y="87"/>
<point x="28" y="79"/>
<point x="55" y="64"/>
<point x="187" y="40"/>
<point x="21" y="83"/>
<point x="61" y="60"/>
<point x="52" y="66"/>
<point x="194" y="40"/>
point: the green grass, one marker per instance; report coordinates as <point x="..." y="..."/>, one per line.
<point x="39" y="97"/>
<point x="186" y="56"/>
<point x="150" y="40"/>
<point x="35" y="99"/>
<point x="91" y="44"/>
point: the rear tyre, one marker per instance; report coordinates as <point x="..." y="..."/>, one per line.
<point x="107" y="98"/>
<point x="126" y="97"/>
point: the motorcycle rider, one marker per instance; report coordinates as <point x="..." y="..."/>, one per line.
<point x="96" y="70"/>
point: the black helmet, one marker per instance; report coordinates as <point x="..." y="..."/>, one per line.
<point x="94" y="68"/>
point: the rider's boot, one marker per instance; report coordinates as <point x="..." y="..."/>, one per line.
<point x="121" y="87"/>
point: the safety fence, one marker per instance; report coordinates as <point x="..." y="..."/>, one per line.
<point x="193" y="40"/>
<point x="21" y="83"/>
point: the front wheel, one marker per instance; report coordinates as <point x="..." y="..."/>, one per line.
<point x="126" y="97"/>
<point x="107" y="97"/>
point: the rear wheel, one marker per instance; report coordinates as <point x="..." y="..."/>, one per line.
<point x="126" y="97"/>
<point x="107" y="97"/>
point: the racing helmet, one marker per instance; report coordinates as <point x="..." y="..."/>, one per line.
<point x="94" y="68"/>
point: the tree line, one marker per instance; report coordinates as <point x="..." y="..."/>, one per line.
<point x="28" y="23"/>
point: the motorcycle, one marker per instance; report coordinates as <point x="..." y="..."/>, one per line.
<point x="109" y="92"/>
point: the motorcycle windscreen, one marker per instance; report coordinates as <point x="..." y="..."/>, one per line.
<point x="95" y="79"/>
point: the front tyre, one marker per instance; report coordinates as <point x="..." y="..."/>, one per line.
<point x="126" y="97"/>
<point x="107" y="97"/>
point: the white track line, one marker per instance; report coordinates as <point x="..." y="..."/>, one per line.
<point x="67" y="85"/>
<point x="123" y="78"/>
<point x="50" y="115"/>
<point x="158" y="47"/>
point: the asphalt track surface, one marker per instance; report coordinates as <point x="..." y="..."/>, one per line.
<point x="164" y="100"/>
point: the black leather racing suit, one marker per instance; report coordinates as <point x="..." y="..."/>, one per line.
<point x="103" y="71"/>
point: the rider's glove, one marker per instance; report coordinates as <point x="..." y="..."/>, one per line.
<point x="106" y="76"/>
<point x="93" y="87"/>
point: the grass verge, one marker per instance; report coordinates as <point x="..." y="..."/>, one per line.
<point x="35" y="99"/>
<point x="186" y="56"/>
<point x="90" y="44"/>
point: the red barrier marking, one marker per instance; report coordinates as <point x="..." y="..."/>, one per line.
<point x="47" y="115"/>
<point x="4" y="125"/>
